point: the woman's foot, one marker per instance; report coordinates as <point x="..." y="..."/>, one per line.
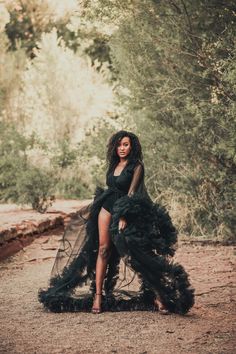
<point x="97" y="304"/>
<point x="160" y="307"/>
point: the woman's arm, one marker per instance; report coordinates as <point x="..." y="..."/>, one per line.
<point x="136" y="179"/>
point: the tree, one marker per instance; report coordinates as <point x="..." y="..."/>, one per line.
<point x="176" y="61"/>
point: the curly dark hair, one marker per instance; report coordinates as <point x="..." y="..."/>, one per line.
<point x="135" y="153"/>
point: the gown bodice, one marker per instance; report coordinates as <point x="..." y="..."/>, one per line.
<point x="122" y="181"/>
<point x="118" y="186"/>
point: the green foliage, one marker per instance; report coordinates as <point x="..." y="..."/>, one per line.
<point x="13" y="63"/>
<point x="82" y="168"/>
<point x="68" y="164"/>
<point x="68" y="174"/>
<point x="176" y="65"/>
<point x="29" y="19"/>
<point x="71" y="186"/>
<point x="20" y="181"/>
<point x="57" y="70"/>
<point x="65" y="155"/>
<point x="35" y="187"/>
<point x="99" y="51"/>
<point x="48" y="89"/>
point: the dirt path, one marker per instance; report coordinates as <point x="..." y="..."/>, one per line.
<point x="25" y="327"/>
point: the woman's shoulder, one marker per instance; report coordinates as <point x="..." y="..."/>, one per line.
<point x="139" y="163"/>
<point x="136" y="165"/>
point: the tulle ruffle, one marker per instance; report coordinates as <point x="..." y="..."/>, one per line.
<point x="146" y="246"/>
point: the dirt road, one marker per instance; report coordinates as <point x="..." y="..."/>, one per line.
<point x="25" y="327"/>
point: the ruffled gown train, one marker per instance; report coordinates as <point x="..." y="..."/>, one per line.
<point x="140" y="266"/>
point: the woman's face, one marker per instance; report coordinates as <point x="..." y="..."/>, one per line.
<point x="124" y="147"/>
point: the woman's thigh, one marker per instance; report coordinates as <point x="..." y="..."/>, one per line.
<point x="104" y="220"/>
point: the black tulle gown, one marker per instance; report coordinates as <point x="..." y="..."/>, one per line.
<point x="140" y="267"/>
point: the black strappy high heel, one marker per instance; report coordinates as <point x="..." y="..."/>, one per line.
<point x="96" y="310"/>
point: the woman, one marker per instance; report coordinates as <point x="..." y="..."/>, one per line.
<point x="121" y="223"/>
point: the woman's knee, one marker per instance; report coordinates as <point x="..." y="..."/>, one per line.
<point x="104" y="251"/>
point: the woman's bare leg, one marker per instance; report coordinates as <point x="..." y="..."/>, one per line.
<point x="159" y="305"/>
<point x="104" y="219"/>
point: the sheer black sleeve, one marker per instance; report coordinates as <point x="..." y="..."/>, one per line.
<point x="136" y="179"/>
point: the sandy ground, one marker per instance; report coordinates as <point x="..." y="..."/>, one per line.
<point x="25" y="327"/>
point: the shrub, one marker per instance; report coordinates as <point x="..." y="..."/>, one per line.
<point x="20" y="181"/>
<point x="35" y="187"/>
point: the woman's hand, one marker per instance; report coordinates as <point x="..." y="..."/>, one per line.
<point x="122" y="224"/>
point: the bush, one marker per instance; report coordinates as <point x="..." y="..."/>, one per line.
<point x="65" y="155"/>
<point x="20" y="181"/>
<point x="35" y="187"/>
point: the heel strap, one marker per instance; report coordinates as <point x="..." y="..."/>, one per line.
<point x="98" y="294"/>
